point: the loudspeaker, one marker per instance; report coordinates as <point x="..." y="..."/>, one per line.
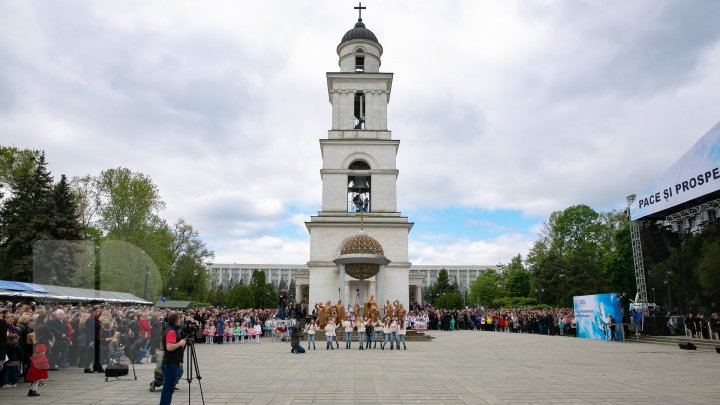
<point x="717" y="349"/>
<point x="687" y="346"/>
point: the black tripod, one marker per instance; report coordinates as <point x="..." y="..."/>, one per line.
<point x="192" y="366"/>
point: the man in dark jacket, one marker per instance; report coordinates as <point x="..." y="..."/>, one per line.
<point x="58" y="329"/>
<point x="3" y="340"/>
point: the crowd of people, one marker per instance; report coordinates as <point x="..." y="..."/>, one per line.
<point x="552" y="321"/>
<point x="700" y="327"/>
<point x="49" y="337"/>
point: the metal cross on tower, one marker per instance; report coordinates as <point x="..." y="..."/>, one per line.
<point x="360" y="8"/>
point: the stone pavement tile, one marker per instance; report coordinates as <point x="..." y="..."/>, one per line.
<point x="458" y="367"/>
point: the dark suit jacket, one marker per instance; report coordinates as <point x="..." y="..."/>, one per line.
<point x="3" y="339"/>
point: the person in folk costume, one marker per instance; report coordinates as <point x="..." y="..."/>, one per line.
<point x="400" y="311"/>
<point x="389" y="310"/>
<point x="367" y="305"/>
<point x="321" y="316"/>
<point x="38" y="369"/>
<point x="373" y="314"/>
<point x="328" y="309"/>
<point x="356" y="310"/>
<point x="340" y="312"/>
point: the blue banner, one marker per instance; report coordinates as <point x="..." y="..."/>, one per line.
<point x="593" y="316"/>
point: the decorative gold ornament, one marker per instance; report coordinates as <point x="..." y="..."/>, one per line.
<point x="361" y="244"/>
<point x="361" y="271"/>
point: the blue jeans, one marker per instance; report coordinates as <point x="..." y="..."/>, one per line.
<point x="369" y="338"/>
<point x="399" y="338"/>
<point x="388" y="337"/>
<point x="361" y="338"/>
<point x="378" y="337"/>
<point x="10" y="375"/>
<point x="311" y="339"/>
<point x="170" y="373"/>
<point x="348" y="338"/>
<point x="299" y="349"/>
<point x="162" y="382"/>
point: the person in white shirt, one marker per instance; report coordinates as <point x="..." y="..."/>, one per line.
<point x="401" y="329"/>
<point x="393" y="332"/>
<point x="311" y="328"/>
<point x="378" y="333"/>
<point x="360" y="326"/>
<point x="330" y="334"/>
<point x="387" y="334"/>
<point x="348" y="325"/>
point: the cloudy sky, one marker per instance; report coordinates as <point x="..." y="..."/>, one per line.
<point x="506" y="111"/>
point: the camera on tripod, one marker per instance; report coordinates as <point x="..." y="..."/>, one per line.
<point x="189" y="333"/>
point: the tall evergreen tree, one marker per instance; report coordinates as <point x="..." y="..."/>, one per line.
<point x="25" y="218"/>
<point x="64" y="259"/>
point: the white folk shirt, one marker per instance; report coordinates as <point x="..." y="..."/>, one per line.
<point x="348" y="326"/>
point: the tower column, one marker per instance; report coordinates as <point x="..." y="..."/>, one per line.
<point x="370" y="110"/>
<point x="350" y="100"/>
<point x="341" y="283"/>
<point x="381" y="286"/>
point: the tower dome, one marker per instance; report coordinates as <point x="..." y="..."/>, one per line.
<point x="359" y="32"/>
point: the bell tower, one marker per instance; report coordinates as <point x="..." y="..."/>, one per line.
<point x="359" y="177"/>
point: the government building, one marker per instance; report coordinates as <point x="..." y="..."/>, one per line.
<point x="227" y="275"/>
<point x="359" y="239"/>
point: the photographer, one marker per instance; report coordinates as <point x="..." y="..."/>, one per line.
<point x="172" y="357"/>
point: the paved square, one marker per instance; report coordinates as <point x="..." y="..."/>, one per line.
<point x="457" y="368"/>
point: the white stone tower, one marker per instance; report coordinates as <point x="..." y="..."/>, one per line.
<point x="359" y="241"/>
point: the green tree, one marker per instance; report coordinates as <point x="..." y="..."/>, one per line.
<point x="517" y="280"/>
<point x="618" y="267"/>
<point x="449" y="301"/>
<point x="486" y="288"/>
<point x="130" y="202"/>
<point x="63" y="260"/>
<point x="129" y="211"/>
<point x="291" y="291"/>
<point x="709" y="270"/>
<point x="263" y="292"/>
<point x="25" y="218"/>
<point x="442" y="285"/>
<point x="189" y="256"/>
<point x="14" y="163"/>
<point x="240" y="296"/>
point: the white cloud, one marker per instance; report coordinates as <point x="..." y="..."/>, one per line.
<point x="464" y="251"/>
<point x="508" y="105"/>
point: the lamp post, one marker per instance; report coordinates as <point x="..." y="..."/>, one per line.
<point x="539" y="290"/>
<point x="653" y="290"/>
<point x="562" y="277"/>
<point x="668" y="273"/>
<point x="147" y="273"/>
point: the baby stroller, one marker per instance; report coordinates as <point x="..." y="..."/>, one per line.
<point x="159" y="379"/>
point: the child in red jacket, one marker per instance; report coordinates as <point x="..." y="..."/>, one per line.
<point x="38" y="369"/>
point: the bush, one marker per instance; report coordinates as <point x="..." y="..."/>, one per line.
<point x="449" y="301"/>
<point x="514" y="302"/>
